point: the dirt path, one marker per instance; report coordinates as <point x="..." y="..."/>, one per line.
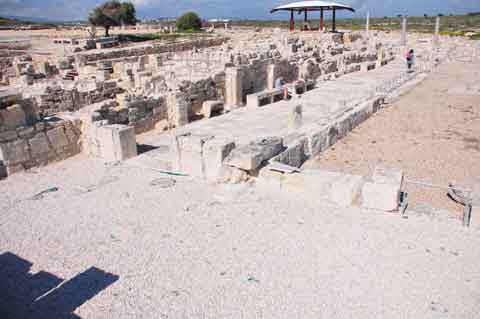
<point x="433" y="133"/>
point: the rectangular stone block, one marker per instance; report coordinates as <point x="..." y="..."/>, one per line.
<point x="187" y="154"/>
<point x="475" y="215"/>
<point x="384" y="175"/>
<point x="8" y="136"/>
<point x="57" y="137"/>
<point x="317" y="140"/>
<point x="346" y="189"/>
<point x="13" y="117"/>
<point x="14" y="152"/>
<point x="294" y="155"/>
<point x="39" y="145"/>
<point x="213" y="155"/>
<point x="249" y="157"/>
<point x="383" y="197"/>
<point x="117" y="142"/>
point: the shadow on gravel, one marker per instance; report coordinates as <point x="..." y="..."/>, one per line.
<point x="143" y="148"/>
<point x="44" y="295"/>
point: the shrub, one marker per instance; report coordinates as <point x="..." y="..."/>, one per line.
<point x="190" y="21"/>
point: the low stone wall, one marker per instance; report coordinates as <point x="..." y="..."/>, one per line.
<point x="45" y="142"/>
<point x="63" y="99"/>
<point x="83" y="58"/>
<point x="198" y="92"/>
<point x="141" y="113"/>
<point x="26" y="141"/>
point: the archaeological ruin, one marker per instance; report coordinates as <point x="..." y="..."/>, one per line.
<point x="225" y="108"/>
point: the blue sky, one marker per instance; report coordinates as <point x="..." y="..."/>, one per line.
<point x="253" y="9"/>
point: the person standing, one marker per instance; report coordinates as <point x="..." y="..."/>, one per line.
<point x="410" y="59"/>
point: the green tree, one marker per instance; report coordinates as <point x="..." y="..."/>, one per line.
<point x="189" y="21"/>
<point x="113" y="13"/>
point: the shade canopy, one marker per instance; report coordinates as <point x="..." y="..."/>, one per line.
<point x="313" y="5"/>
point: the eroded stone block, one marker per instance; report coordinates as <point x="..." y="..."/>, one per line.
<point x="249" y="157"/>
<point x="14" y="152"/>
<point x="13" y="117"/>
<point x="384" y="175"/>
<point x="57" y="137"/>
<point x="384" y="197"/>
<point x="39" y="145"/>
<point x="215" y="151"/>
<point x="117" y="142"/>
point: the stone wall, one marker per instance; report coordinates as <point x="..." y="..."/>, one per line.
<point x="212" y="88"/>
<point x="57" y="98"/>
<point x="83" y="58"/>
<point x="26" y="141"/>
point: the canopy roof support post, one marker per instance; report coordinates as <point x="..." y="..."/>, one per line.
<point x="305" y="19"/>
<point x="292" y="21"/>
<point x="334" y="27"/>
<point x="321" y="19"/>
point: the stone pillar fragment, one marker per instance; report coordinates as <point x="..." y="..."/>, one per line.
<point x="367" y="25"/>
<point x="295" y="118"/>
<point x="233" y="87"/>
<point x="178" y="105"/>
<point x="437" y="30"/>
<point x="403" y="39"/>
<point x="271" y="76"/>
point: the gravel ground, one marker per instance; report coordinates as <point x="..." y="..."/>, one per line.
<point x="164" y="249"/>
<point x="432" y="133"/>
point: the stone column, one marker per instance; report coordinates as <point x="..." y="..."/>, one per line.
<point x="403" y="40"/>
<point x="233" y="87"/>
<point x="437" y="30"/>
<point x="271" y="76"/>
<point x="367" y="24"/>
<point x="178" y="105"/>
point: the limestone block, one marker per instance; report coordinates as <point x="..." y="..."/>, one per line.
<point x="26" y="132"/>
<point x="295" y="118"/>
<point x="214" y="152"/>
<point x="117" y="142"/>
<point x="295" y="154"/>
<point x="333" y="135"/>
<point x="384" y="175"/>
<point x="233" y="87"/>
<point x="57" y="137"/>
<point x="187" y="151"/>
<point x="249" y="157"/>
<point x="178" y="107"/>
<point x="269" y="180"/>
<point x="14" y="152"/>
<point x="345" y="125"/>
<point x="8" y="136"/>
<point x="211" y="106"/>
<point x="384" y="197"/>
<point x="474" y="217"/>
<point x="315" y="184"/>
<point x="39" y="145"/>
<point x="317" y="140"/>
<point x="232" y="175"/>
<point x="346" y="189"/>
<point x="13" y="117"/>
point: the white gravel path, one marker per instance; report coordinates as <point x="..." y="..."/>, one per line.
<point x="204" y="251"/>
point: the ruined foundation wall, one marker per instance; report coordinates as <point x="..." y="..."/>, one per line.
<point x="26" y="141"/>
<point x="57" y="98"/>
<point x="81" y="59"/>
<point x="198" y="92"/>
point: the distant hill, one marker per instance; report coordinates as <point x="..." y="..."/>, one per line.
<point x="29" y="19"/>
<point x="7" y="21"/>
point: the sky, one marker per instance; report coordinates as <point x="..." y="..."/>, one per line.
<point x="247" y="9"/>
